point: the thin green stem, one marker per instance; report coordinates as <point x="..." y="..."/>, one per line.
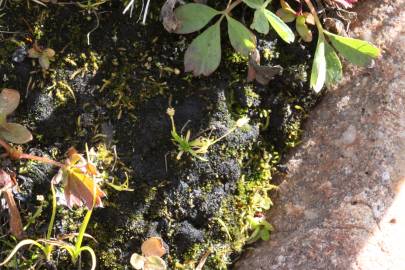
<point x="49" y="247"/>
<point x="315" y="14"/>
<point x="82" y="231"/>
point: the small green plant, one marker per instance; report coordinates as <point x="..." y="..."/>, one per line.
<point x="44" y="56"/>
<point x="203" y="56"/>
<point x="152" y="250"/>
<point x="302" y="19"/>
<point x="197" y="147"/>
<point x="11" y="132"/>
<point x="327" y="67"/>
<point x="261" y="228"/>
<point x="79" y="177"/>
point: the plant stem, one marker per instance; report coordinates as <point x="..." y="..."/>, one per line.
<point x="48" y="247"/>
<point x="232" y="6"/>
<point x="82" y="231"/>
<point x="42" y="160"/>
<point x="315" y="14"/>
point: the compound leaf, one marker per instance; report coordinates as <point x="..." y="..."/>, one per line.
<point x="357" y="51"/>
<point x="204" y="53"/>
<point x="241" y="38"/>
<point x="193" y="17"/>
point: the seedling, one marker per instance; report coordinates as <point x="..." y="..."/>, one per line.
<point x="80" y="185"/>
<point x="11" y="132"/>
<point x="287" y="14"/>
<point x="197" y="147"/>
<point x="152" y="251"/>
<point x="44" y="56"/>
<point x="261" y="228"/>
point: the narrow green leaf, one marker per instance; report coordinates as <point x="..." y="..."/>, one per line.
<point x="318" y="73"/>
<point x="256" y="4"/>
<point x="333" y="66"/>
<point x="260" y="23"/>
<point x="241" y="38"/>
<point x="279" y="26"/>
<point x="193" y="17"/>
<point x="357" y="51"/>
<point x="92" y="254"/>
<point x="204" y="53"/>
<point x="15" y="133"/>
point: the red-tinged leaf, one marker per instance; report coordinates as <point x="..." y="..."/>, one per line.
<point x="9" y="100"/>
<point x="204" y="53"/>
<point x="15" y="133"/>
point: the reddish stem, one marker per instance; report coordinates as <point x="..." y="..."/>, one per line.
<point x="41" y="159"/>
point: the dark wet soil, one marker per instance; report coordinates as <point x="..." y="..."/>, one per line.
<point x="122" y="84"/>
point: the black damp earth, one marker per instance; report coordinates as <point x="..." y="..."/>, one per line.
<point x="122" y="83"/>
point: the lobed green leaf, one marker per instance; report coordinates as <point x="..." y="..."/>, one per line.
<point x="204" y="53"/>
<point x="357" y="51"/>
<point x="193" y="17"/>
<point x="242" y="40"/>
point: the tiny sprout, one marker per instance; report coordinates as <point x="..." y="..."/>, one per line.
<point x="197" y="147"/>
<point x="152" y="251"/>
<point x="44" y="55"/>
<point x="11" y="132"/>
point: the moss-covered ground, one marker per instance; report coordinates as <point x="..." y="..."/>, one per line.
<point x="109" y="86"/>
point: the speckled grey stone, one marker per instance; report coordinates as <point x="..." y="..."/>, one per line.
<point x="342" y="204"/>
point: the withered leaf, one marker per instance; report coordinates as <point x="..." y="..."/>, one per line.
<point x="153" y="246"/>
<point x="262" y="74"/>
<point x="169" y="20"/>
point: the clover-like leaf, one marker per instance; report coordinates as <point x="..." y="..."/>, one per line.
<point x="333" y="66"/>
<point x="204" y="53"/>
<point x="318" y="72"/>
<point x="357" y="51"/>
<point x="242" y="40"/>
<point x="9" y="100"/>
<point x="15" y="133"/>
<point x="193" y="17"/>
<point x="260" y="22"/>
<point x="279" y="26"/>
